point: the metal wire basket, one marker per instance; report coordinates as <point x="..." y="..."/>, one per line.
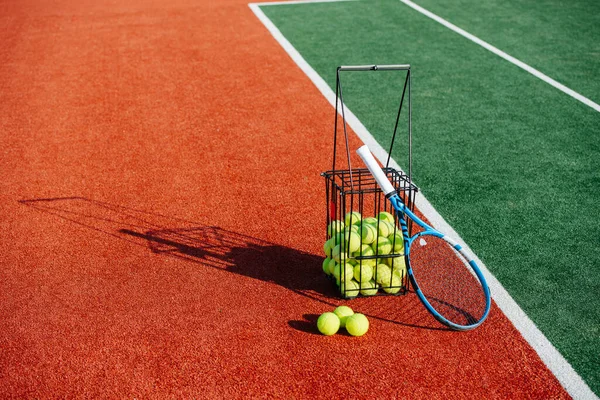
<point x="364" y="247"/>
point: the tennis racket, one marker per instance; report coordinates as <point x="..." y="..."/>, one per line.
<point x="444" y="275"/>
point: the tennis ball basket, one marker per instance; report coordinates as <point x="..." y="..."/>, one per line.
<point x="364" y="245"/>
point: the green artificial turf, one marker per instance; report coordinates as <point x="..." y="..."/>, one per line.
<point x="512" y="163"/>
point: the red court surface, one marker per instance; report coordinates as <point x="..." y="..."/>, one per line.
<point x="162" y="216"/>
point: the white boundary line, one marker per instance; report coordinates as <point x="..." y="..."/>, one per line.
<point x="502" y="54"/>
<point x="558" y="365"/>
<point x="282" y="3"/>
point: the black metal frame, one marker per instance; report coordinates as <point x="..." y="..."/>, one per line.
<point x="355" y="189"/>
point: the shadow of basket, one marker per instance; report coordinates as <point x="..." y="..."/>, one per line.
<point x="215" y="247"/>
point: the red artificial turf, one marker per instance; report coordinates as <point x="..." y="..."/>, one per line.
<point x="162" y="219"/>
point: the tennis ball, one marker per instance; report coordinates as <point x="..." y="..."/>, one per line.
<point x="397" y="241"/>
<point x="393" y="285"/>
<point x="386" y="216"/>
<point x="368" y="234"/>
<point x="397" y="264"/>
<point x="364" y="250"/>
<point x="357" y="324"/>
<point x="351" y="241"/>
<point x="337" y="254"/>
<point x="370" y="221"/>
<point x="328" y="323"/>
<point x="368" y="288"/>
<point x="352" y="228"/>
<point x="383" y="274"/>
<point x="343" y="312"/>
<point x="343" y="272"/>
<point x="352" y="218"/>
<point x="331" y="266"/>
<point x="385" y="228"/>
<point x="350" y="288"/>
<point x="363" y="273"/>
<point x="326" y="265"/>
<point x="382" y="246"/>
<point x="334" y="227"/>
<point x="328" y="247"/>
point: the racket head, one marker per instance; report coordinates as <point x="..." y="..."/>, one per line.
<point x="448" y="281"/>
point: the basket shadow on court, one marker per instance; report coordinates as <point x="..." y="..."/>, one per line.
<point x="215" y="247"/>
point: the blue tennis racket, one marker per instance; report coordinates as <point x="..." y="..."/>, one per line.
<point x="444" y="275"/>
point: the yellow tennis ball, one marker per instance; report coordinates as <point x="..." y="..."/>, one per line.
<point x="328" y="247"/>
<point x="328" y="323"/>
<point x="353" y="228"/>
<point x="383" y="274"/>
<point x="392" y="286"/>
<point x="357" y="324"/>
<point x="363" y="273"/>
<point x="343" y="272"/>
<point x="334" y="227"/>
<point x="386" y="216"/>
<point x="352" y="218"/>
<point x="350" y="288"/>
<point x="365" y="251"/>
<point x="368" y="288"/>
<point x="331" y="266"/>
<point x="343" y="312"/>
<point x="326" y="266"/>
<point x="368" y="233"/>
<point x="397" y="264"/>
<point x="351" y="241"/>
<point x="337" y="254"/>
<point x="385" y="228"/>
<point x="382" y="246"/>
<point x="397" y="241"/>
<point x="370" y="221"/>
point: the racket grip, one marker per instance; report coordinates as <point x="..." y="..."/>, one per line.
<point x="382" y="180"/>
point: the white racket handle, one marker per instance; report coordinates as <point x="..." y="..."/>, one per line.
<point x="382" y="180"/>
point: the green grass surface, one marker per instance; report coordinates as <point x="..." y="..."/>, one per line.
<point x="510" y="162"/>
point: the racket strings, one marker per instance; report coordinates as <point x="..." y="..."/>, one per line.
<point x="447" y="280"/>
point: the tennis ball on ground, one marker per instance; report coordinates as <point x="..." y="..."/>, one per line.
<point x="368" y="288"/>
<point x="363" y="273"/>
<point x="335" y="227"/>
<point x="368" y="233"/>
<point x="350" y="288"/>
<point x="343" y="312"/>
<point x="386" y="216"/>
<point x="382" y="246"/>
<point x="343" y="272"/>
<point x="357" y="324"/>
<point x="328" y="323"/>
<point x="352" y="218"/>
<point x="397" y="241"/>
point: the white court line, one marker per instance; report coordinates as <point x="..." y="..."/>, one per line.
<point x="282" y="3"/>
<point x="556" y="363"/>
<point x="502" y="54"/>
